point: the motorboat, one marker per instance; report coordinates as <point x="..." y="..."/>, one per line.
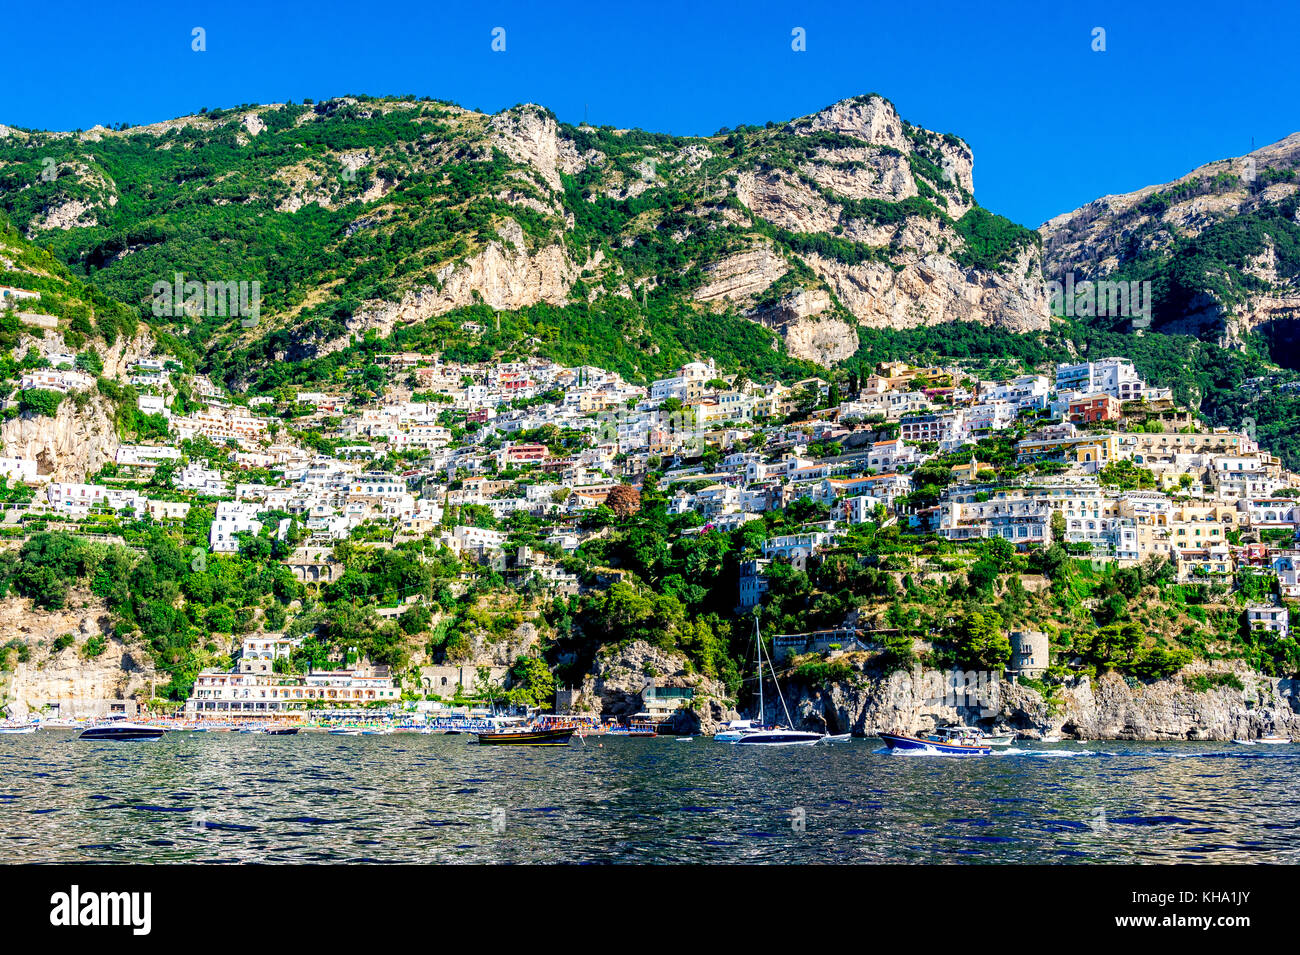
<point x="734" y="730"/>
<point x="526" y="734"/>
<point x="20" y="729"/>
<point x="780" y="736"/>
<point x="1273" y="740"/>
<point x="122" y="730"/>
<point x="631" y="729"/>
<point x="951" y="744"/>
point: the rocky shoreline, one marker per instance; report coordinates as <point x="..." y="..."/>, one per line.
<point x="1108" y="707"/>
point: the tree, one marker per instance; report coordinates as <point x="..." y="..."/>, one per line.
<point x="981" y="644"/>
<point x="981" y="576"/>
<point x="415" y="619"/>
<point x="90" y="362"/>
<point x="531" y="682"/>
<point x="624" y="500"/>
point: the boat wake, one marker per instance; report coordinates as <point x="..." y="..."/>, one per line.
<point x="886" y="751"/>
<point x="1041" y="753"/>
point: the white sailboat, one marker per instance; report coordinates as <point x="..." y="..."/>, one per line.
<point x="779" y="735"/>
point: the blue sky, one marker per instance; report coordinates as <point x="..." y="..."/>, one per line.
<point x="1053" y="123"/>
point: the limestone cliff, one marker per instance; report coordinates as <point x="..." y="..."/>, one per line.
<point x="1108" y="707"/>
<point x="73" y="444"/>
<point x="80" y="684"/>
<point x="504" y="275"/>
<point x="82" y="437"/>
<point x="620" y="675"/>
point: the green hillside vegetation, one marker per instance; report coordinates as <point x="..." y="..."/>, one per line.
<point x="202" y="197"/>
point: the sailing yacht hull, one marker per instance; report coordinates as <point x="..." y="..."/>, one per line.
<point x="779" y="738"/>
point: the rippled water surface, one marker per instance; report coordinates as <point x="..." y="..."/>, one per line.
<point x="223" y="797"/>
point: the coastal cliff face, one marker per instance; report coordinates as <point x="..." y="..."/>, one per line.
<point x="73" y="444"/>
<point x="79" y="439"/>
<point x="81" y="684"/>
<point x="504" y="275"/>
<point x="1108" y="707"/>
<point x="619" y="677"/>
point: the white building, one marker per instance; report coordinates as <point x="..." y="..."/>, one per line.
<point x="233" y="518"/>
<point x="18" y="469"/>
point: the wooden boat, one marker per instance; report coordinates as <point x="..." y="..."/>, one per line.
<point x="951" y="747"/>
<point x="280" y="730"/>
<point x="526" y="736"/>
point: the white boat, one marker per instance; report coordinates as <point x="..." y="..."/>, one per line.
<point x="1244" y="742"/>
<point x="20" y="730"/>
<point x="998" y="739"/>
<point x="734" y="730"/>
<point x="1051" y="738"/>
<point x="777" y="735"/>
<point x="1273" y="740"/>
<point x="780" y="736"/>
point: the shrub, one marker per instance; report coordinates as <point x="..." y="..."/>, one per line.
<point x="41" y="401"/>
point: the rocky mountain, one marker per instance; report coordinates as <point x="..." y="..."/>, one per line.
<point x="1220" y="245"/>
<point x="363" y="216"/>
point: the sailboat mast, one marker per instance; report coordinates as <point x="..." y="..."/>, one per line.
<point x="776" y="685"/>
<point x="781" y="696"/>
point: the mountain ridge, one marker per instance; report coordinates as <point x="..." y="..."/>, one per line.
<point x="869" y="220"/>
